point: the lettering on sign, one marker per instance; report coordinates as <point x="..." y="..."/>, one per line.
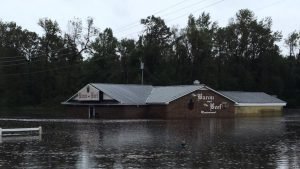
<point x="215" y="107"/>
<point x="200" y="96"/>
<point x="208" y="102"/>
<point x="88" y="93"/>
<point x="208" y="112"/>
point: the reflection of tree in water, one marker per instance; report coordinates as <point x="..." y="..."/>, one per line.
<point x="211" y="143"/>
<point x="288" y="147"/>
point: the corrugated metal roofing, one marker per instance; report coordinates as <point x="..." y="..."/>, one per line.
<point x="128" y="94"/>
<point x="166" y="94"/>
<point x="145" y="94"/>
<point x="251" y="97"/>
<point x="124" y="93"/>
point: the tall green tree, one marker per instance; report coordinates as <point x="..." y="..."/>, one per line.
<point x="293" y="41"/>
<point x="200" y="33"/>
<point x="156" y="49"/>
<point x="104" y="66"/>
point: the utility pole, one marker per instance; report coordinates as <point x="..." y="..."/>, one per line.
<point x="142" y="69"/>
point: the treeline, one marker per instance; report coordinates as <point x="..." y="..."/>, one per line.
<point x="244" y="55"/>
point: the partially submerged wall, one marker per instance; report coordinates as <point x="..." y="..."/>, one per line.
<point x="120" y="112"/>
<point x="258" y="111"/>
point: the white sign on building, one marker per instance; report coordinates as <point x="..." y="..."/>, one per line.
<point x="88" y="93"/>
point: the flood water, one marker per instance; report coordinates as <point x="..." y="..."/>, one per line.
<point x="247" y="143"/>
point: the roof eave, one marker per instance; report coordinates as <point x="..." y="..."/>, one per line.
<point x="177" y="97"/>
<point x="157" y="103"/>
<point x="260" y="104"/>
<point x="93" y="104"/>
<point x="222" y="95"/>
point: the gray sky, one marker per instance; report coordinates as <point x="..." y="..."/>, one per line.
<point x="123" y="15"/>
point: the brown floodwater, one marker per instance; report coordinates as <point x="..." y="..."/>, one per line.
<point x="248" y="143"/>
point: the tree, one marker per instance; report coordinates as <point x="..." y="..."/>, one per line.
<point x="104" y="65"/>
<point x="200" y="33"/>
<point x="249" y="46"/>
<point x="156" y="49"/>
<point x="292" y="42"/>
<point x="130" y="61"/>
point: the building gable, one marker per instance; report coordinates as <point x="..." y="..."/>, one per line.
<point x="202" y="96"/>
<point x="88" y="93"/>
<point x="201" y="103"/>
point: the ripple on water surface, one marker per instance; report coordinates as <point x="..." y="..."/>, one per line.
<point x="209" y="143"/>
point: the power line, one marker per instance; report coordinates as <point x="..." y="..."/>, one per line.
<point x="210" y="5"/>
<point x="9" y="65"/>
<point x="160" y="11"/>
<point x="40" y="71"/>
<point x="17" y="64"/>
<point x="215" y="3"/>
<point x="19" y="56"/>
<point x="191" y="5"/>
<point x="135" y="25"/>
<point x="170" y="20"/>
<point x="157" y="12"/>
<point x="11" y="57"/>
<point x="43" y="71"/>
<point x="9" y="61"/>
<point x="27" y="62"/>
<point x="270" y="5"/>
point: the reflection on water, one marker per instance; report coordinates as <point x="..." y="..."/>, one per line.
<point x="210" y="143"/>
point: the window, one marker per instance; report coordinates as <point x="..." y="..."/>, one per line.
<point x="191" y="104"/>
<point x="88" y="89"/>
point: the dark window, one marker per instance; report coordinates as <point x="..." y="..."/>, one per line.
<point x="88" y="89"/>
<point x="101" y="96"/>
<point x="191" y="104"/>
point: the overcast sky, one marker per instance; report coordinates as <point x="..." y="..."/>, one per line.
<point x="123" y="15"/>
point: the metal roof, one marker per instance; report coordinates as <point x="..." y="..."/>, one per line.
<point x="145" y="94"/>
<point x="166" y="94"/>
<point x="125" y="93"/>
<point x="252" y="97"/>
<point x="129" y="94"/>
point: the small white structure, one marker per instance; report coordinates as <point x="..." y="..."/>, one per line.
<point x="39" y="129"/>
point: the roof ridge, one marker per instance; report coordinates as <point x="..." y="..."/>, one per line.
<point x="177" y="93"/>
<point x="180" y="85"/>
<point x="121" y="84"/>
<point x="239" y="91"/>
<point x="149" y="94"/>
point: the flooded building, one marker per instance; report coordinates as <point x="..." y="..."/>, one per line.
<point x="97" y="100"/>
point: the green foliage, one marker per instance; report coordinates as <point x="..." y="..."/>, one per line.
<point x="45" y="70"/>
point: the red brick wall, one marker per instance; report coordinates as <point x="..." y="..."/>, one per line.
<point x="180" y="109"/>
<point x="78" y="111"/>
<point x="131" y="112"/>
<point x="119" y="112"/>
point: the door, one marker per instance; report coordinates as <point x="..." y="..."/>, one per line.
<point x="92" y="112"/>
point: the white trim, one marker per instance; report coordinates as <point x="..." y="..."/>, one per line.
<point x="104" y="91"/>
<point x="99" y="104"/>
<point x="220" y="94"/>
<point x="182" y="94"/>
<point x="173" y="98"/>
<point x="260" y="104"/>
<point x="72" y="97"/>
